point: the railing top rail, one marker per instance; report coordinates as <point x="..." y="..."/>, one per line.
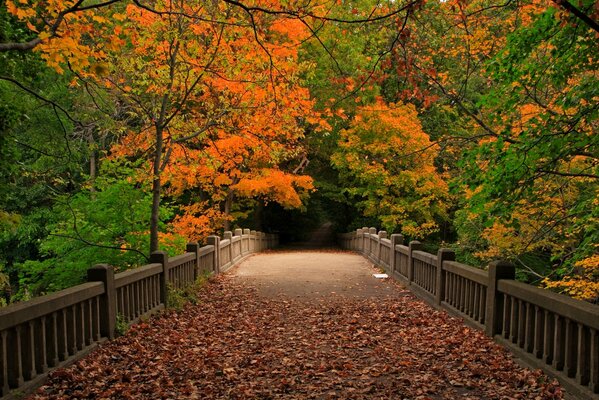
<point x="425" y="257"/>
<point x="16" y="314"/>
<point x="137" y="274"/>
<point x="386" y="242"/>
<point x="224" y="243"/>
<point x="576" y="310"/>
<point x="235" y="239"/>
<point x="468" y="272"/>
<point x="205" y="250"/>
<point x="402" y="249"/>
<point x="181" y="259"/>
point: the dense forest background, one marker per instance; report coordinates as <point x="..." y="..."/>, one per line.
<point x="132" y="126"/>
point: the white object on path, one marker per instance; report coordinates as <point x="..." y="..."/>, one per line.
<point x="380" y="276"/>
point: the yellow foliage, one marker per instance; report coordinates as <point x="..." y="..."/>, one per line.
<point x="390" y="161"/>
<point x="584" y="285"/>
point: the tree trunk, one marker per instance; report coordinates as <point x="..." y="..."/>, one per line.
<point x="156" y="191"/>
<point x="227" y="210"/>
<point x="92" y="163"/>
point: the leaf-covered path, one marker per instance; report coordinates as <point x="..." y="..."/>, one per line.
<point x="301" y="326"/>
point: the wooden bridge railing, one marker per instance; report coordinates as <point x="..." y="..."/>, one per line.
<point x="547" y="330"/>
<point x="54" y="330"/>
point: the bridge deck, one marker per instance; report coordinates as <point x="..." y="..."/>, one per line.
<point x="301" y="325"/>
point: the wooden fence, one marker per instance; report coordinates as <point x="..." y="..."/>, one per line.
<point x="547" y="330"/>
<point x="54" y="330"/>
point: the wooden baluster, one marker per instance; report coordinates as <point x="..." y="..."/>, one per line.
<point x="462" y="294"/>
<point x="548" y="336"/>
<point x="150" y="292"/>
<point x="134" y="299"/>
<point x="505" y="330"/>
<point x="154" y="291"/>
<point x="72" y="329"/>
<point x="130" y="305"/>
<point x="138" y="303"/>
<point x="28" y="351"/>
<point x="558" y="343"/>
<point x="571" y="348"/>
<point x="89" y="321"/>
<point x="120" y="306"/>
<point x="458" y="292"/>
<point x="583" y="355"/>
<point x="448" y="293"/>
<point x="529" y="328"/>
<point x="52" y="340"/>
<point x="468" y="308"/>
<point x="158" y="288"/>
<point x="594" y="361"/>
<point x="514" y="320"/>
<point x="476" y="300"/>
<point x="145" y="300"/>
<point x="81" y="324"/>
<point x="473" y="302"/>
<point x="4" y="363"/>
<point x="96" y="317"/>
<point x="483" y="304"/>
<point x="15" y="361"/>
<point x="62" y="334"/>
<point x="123" y="301"/>
<point x="539" y="331"/>
<point x="41" y="345"/>
<point x="521" y="322"/>
<point x="454" y="302"/>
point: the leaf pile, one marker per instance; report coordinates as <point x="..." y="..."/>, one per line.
<point x="236" y="344"/>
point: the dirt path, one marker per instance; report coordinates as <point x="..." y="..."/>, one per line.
<point x="300" y="325"/>
<point x="313" y="274"/>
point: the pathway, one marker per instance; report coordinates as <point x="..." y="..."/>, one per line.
<point x="301" y="325"/>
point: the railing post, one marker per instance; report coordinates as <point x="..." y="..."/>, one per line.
<point x="105" y="273"/>
<point x="497" y="270"/>
<point x="253" y="241"/>
<point x="370" y="253"/>
<point x="363" y="241"/>
<point x="194" y="247"/>
<point x="215" y="241"/>
<point x="239" y="232"/>
<point x="382" y="235"/>
<point x="442" y="255"/>
<point x="160" y="257"/>
<point x="247" y="233"/>
<point x="414" y="245"/>
<point x="396" y="239"/>
<point x="229" y="235"/>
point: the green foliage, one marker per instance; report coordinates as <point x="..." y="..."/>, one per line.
<point x="176" y="299"/>
<point x="108" y="225"/>
<point x="121" y="327"/>
<point x="539" y="178"/>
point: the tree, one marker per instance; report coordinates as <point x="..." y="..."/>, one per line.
<point x="388" y="162"/>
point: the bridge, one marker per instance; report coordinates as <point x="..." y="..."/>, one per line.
<point x="301" y="324"/>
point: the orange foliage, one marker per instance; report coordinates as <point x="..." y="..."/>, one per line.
<point x="221" y="95"/>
